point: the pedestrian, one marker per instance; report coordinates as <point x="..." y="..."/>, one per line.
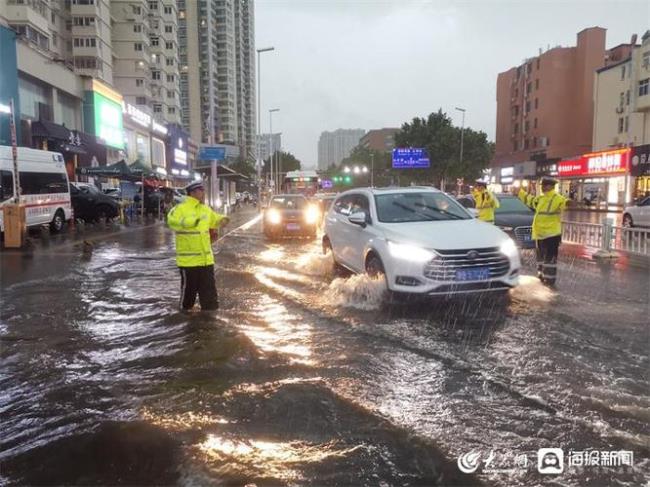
<point x="547" y="227"/>
<point x="193" y="222"/>
<point x="485" y="201"/>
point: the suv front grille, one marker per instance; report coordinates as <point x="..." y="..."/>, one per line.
<point x="444" y="267"/>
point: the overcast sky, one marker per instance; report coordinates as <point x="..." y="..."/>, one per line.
<point x="378" y="63"/>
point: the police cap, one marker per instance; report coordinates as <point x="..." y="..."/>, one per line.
<point x="193" y="186"/>
<point x="549" y="180"/>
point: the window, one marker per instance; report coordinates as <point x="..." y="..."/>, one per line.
<point x="516" y="128"/>
<point x="343" y="205"/>
<point x="170" y="78"/>
<point x="53" y="17"/>
<point x="516" y="110"/>
<point x="623" y="72"/>
<point x="526" y="144"/>
<point x="527" y="106"/>
<point x="169" y="29"/>
<point x="43" y="182"/>
<point x="534" y="141"/>
<point x="157" y="108"/>
<point x="155" y="41"/>
<point x="6" y="185"/>
<point x="169" y="61"/>
<point x="137" y="27"/>
<point x="535" y="124"/>
<point x="643" y="86"/>
<point x="620" y="125"/>
<point x="621" y="99"/>
<point x="627" y="97"/>
<point x="83" y="2"/>
<point x="140" y="100"/>
<point x="155" y="75"/>
<point x="413" y="207"/>
<point x="646" y="60"/>
<point x="168" y="10"/>
<point x="137" y="46"/>
<point x="136" y="10"/>
<point x="536" y="103"/>
<point x="171" y="94"/>
<point x="139" y="82"/>
<point x="626" y="123"/>
<point x="153" y="5"/>
<point x="529" y="68"/>
<point x="169" y="45"/>
<point x="537" y="83"/>
<point x="171" y="110"/>
<point x="537" y="63"/>
<point x="526" y="126"/>
<point x="529" y="87"/>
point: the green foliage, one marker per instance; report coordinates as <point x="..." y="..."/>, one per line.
<point x="288" y="162"/>
<point x="244" y="166"/>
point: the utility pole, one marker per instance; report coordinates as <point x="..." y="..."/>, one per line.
<point x="372" y="170"/>
<point x="462" y="132"/>
<point x="259" y="125"/>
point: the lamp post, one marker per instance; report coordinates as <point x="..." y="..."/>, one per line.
<point x="259" y="124"/>
<point x="272" y="174"/>
<point x="372" y="170"/>
<point x="462" y="130"/>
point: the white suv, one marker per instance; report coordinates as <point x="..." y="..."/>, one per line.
<point x="422" y="240"/>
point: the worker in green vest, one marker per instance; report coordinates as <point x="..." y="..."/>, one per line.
<point x="547" y="226"/>
<point x="194" y="222"/>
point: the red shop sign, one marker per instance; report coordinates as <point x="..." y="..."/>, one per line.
<point x="596" y="164"/>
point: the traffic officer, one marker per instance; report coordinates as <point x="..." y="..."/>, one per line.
<point x="193" y="222"/>
<point x="547" y="226"/>
<point x="485" y="201"/>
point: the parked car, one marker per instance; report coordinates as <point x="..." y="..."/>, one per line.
<point x="637" y="215"/>
<point x="423" y="241"/>
<point x="44" y="183"/>
<point x="90" y="204"/>
<point x="290" y="215"/>
<point x="512" y="216"/>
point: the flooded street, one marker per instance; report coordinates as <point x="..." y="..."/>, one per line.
<point x="304" y="378"/>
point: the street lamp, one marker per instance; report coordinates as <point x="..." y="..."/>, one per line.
<point x="462" y="130"/>
<point x="346" y="169"/>
<point x="259" y="124"/>
<point x="271" y="112"/>
<point x="357" y="169"/>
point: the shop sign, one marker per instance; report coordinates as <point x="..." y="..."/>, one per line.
<point x="640" y="165"/>
<point x="161" y="129"/>
<point x="507" y="175"/>
<point x="180" y="154"/>
<point x="596" y="164"/>
<point x="137" y="115"/>
<point x="108" y="121"/>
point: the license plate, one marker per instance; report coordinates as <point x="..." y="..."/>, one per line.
<point x="293" y="226"/>
<point x="526" y="238"/>
<point x="476" y="274"/>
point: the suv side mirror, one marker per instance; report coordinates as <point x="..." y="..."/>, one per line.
<point x="358" y="218"/>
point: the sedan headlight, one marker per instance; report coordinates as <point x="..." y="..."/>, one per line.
<point x="509" y="248"/>
<point x="312" y="215"/>
<point x="273" y="216"/>
<point x="409" y="252"/>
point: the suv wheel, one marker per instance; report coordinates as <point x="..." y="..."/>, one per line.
<point x="374" y="266"/>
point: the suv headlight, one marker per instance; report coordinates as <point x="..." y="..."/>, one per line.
<point x="312" y="214"/>
<point x="273" y="216"/>
<point x="509" y="248"/>
<point x="409" y="252"/>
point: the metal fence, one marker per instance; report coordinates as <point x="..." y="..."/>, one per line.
<point x="607" y="237"/>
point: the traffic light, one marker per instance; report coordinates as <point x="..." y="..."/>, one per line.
<point x="347" y="179"/>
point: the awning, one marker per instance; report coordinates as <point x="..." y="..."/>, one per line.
<point x="118" y="170"/>
<point x="73" y="149"/>
<point x="50" y="130"/>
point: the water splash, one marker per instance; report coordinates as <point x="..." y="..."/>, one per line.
<point x="359" y="291"/>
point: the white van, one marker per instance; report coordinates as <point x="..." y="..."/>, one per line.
<point x="44" y="182"/>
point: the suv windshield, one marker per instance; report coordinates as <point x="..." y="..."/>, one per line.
<point x="418" y="207"/>
<point x="511" y="205"/>
<point x="289" y="203"/>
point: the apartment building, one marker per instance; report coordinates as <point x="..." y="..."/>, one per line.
<point x="382" y="140"/>
<point x="335" y="146"/>
<point x="268" y="143"/>
<point x="216" y="38"/>
<point x="545" y="105"/>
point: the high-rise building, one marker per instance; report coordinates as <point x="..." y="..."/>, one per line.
<point x="216" y="40"/>
<point x="545" y="105"/>
<point x="382" y="140"/>
<point x="335" y="146"/>
<point x="268" y="143"/>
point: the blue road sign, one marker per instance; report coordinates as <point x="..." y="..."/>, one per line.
<point x="212" y="153"/>
<point x="410" y="158"/>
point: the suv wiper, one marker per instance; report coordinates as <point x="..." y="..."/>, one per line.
<point x="444" y="212"/>
<point x="413" y="210"/>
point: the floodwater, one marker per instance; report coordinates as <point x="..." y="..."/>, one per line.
<point x="305" y="378"/>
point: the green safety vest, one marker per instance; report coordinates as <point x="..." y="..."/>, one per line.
<point x="548" y="213"/>
<point x="486" y="203"/>
<point x="192" y="222"/>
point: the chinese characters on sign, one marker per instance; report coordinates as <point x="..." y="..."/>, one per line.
<point x="410" y="158"/>
<point x="599" y="163"/>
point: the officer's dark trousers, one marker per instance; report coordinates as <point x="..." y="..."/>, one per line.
<point x="547" y="251"/>
<point x="198" y="280"/>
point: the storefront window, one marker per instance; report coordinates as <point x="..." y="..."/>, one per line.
<point x="69" y="108"/>
<point x="31" y="94"/>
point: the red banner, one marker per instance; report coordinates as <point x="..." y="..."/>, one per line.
<point x="606" y="163"/>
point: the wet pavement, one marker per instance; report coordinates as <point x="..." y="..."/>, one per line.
<point x="303" y="378"/>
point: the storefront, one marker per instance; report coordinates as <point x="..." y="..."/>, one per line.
<point x="640" y="171"/>
<point x="599" y="180"/>
<point x="103" y="118"/>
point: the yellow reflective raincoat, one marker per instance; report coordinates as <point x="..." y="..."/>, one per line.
<point x="486" y="203"/>
<point x="192" y="222"/>
<point x="548" y="213"/>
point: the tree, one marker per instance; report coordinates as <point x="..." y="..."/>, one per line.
<point x="244" y="166"/>
<point x="370" y="158"/>
<point x="441" y="139"/>
<point x="287" y="162"/>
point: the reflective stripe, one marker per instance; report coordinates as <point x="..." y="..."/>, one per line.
<point x="549" y="212"/>
<point x="550" y="265"/>
<point x="188" y="253"/>
<point x="188" y="232"/>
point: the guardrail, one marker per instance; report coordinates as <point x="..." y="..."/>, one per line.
<point x="607" y="238"/>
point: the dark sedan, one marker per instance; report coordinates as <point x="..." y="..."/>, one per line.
<point x="90" y="204"/>
<point x="512" y="216"/>
<point x="290" y="215"/>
